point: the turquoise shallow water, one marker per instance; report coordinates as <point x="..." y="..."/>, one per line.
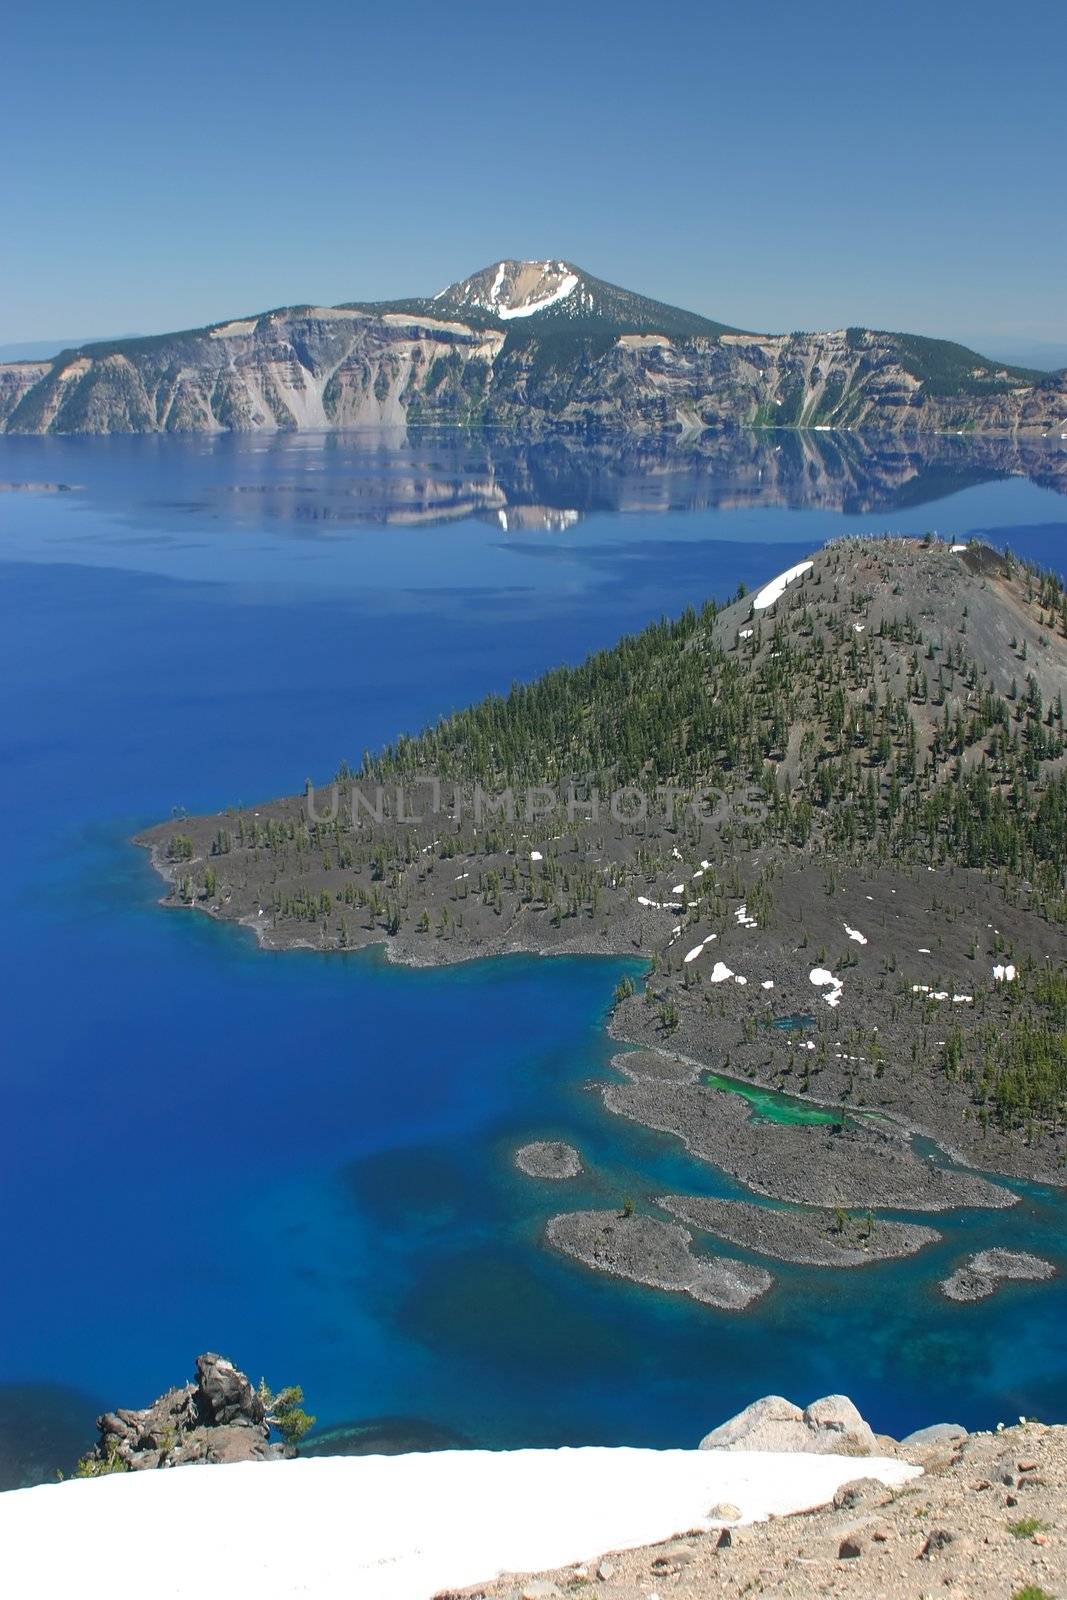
<point x="769" y="1106"/>
<point x="306" y="1161"/>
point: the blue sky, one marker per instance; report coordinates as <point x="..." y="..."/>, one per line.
<point x="781" y="166"/>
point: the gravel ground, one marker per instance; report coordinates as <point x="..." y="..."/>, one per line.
<point x="985" y="1522"/>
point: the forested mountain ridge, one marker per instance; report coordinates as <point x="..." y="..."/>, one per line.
<point x="862" y="765"/>
<point x="529" y="345"/>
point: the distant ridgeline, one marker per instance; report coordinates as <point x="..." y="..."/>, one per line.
<point x="529" y="344"/>
<point x="882" y="727"/>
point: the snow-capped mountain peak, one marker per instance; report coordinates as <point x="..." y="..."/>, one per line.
<point x="510" y="289"/>
<point x="546" y="296"/>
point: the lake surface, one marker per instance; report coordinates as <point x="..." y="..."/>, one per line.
<point x="305" y="1161"/>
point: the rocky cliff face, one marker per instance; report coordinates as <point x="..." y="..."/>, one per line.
<point x="303" y="369"/>
<point x="530" y="345"/>
<point x="17" y="378"/>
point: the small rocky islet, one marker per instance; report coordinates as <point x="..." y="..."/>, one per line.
<point x="809" y="1237"/>
<point x="866" y="911"/>
<point x="982" y="1273"/>
<point x="658" y="1254"/>
<point x="549" y="1158"/>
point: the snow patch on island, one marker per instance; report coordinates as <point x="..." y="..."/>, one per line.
<point x="822" y="979"/>
<point x="776" y="588"/>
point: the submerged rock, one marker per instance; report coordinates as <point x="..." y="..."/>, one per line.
<point x="384" y="1436"/>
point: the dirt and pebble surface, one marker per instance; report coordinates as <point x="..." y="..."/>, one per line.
<point x="809" y="1237"/>
<point x="986" y="1521"/>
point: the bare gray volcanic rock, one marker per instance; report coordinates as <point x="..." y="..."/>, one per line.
<point x="815" y="1237"/>
<point x="219" y="1417"/>
<point x="549" y="1158"/>
<point x="656" y="1253"/>
<point x="982" y="1274"/>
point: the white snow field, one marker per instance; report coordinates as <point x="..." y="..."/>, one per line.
<point x="389" y="1527"/>
<point x="776" y="588"/>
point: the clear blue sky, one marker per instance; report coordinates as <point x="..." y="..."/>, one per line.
<point x="779" y="166"/>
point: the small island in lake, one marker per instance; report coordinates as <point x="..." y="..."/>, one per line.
<point x="982" y="1274"/>
<point x="657" y="1254"/>
<point x="549" y="1158"/>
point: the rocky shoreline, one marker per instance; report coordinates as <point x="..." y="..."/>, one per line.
<point x="839" y="1077"/>
<point x="817" y="1165"/>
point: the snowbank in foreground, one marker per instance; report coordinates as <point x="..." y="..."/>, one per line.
<point x="388" y="1527"/>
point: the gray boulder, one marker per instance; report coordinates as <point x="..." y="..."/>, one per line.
<point x="224" y="1395"/>
<point x="937" y="1433"/>
<point x="772" y="1423"/>
<point x="839" y="1428"/>
<point x="830" y="1426"/>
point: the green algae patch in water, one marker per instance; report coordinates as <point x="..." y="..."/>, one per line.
<point x="769" y="1105"/>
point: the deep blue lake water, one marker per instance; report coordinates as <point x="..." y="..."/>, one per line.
<point x="305" y="1161"/>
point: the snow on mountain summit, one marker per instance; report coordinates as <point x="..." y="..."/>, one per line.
<point x="545" y="296"/>
<point x="511" y="289"/>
